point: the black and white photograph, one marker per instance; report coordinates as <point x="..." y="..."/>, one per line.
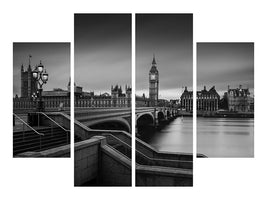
<point x="225" y="99"/>
<point x="164" y="129"/>
<point x="102" y="104"/>
<point x="133" y="99"/>
<point x="41" y="99"/>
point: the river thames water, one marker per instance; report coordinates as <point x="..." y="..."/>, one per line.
<point x="216" y="137"/>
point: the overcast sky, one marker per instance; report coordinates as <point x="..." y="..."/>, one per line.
<point x="55" y="58"/>
<point x="223" y="64"/>
<point x="170" y="37"/>
<point x="102" y="51"/>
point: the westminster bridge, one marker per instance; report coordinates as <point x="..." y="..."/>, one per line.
<point x="120" y="118"/>
<point x="97" y="149"/>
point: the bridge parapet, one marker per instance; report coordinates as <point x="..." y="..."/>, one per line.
<point x="159" y="114"/>
<point x="92" y="117"/>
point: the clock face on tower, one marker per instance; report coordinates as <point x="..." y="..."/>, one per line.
<point x="153" y="77"/>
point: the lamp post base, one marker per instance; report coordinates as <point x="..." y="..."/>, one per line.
<point x="40" y="106"/>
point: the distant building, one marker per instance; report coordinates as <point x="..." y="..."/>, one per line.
<point x="116" y="99"/>
<point x="153" y="84"/>
<point x="28" y="84"/>
<point x="53" y="99"/>
<point x="239" y="100"/>
<point x="187" y="100"/>
<point x="120" y="99"/>
<point x="59" y="98"/>
<point x="174" y="103"/>
<point x="223" y="103"/>
<point x="163" y="103"/>
<point x="142" y="101"/>
<point x="207" y="100"/>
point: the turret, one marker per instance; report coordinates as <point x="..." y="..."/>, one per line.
<point x="22" y="79"/>
<point x="29" y="81"/>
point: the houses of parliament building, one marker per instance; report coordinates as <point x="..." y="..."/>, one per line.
<point x="60" y="99"/>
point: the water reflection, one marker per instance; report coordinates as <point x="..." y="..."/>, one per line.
<point x="220" y="137"/>
<point x="176" y="136"/>
<point x="216" y="137"/>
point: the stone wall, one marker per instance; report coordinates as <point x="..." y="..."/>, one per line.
<point x="86" y="163"/>
<point x="161" y="176"/>
<point x="94" y="160"/>
<point x="115" y="168"/>
<point x="58" y="152"/>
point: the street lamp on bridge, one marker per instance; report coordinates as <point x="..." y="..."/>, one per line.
<point x="41" y="77"/>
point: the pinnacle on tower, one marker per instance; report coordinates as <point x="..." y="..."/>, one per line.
<point x="30" y="56"/>
<point x="154" y="61"/>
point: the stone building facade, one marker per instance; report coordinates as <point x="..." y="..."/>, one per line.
<point x="239" y="100"/>
<point x="28" y="84"/>
<point x="115" y="99"/>
<point x="60" y="99"/>
<point x="207" y="100"/>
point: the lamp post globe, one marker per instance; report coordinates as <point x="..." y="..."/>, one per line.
<point x="40" y="67"/>
<point x="41" y="77"/>
<point x="45" y="77"/>
<point x="35" y="73"/>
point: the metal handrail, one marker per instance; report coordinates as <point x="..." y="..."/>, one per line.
<point x="54" y="121"/>
<point x="147" y="157"/>
<point x="28" y="125"/>
<point x="108" y="134"/>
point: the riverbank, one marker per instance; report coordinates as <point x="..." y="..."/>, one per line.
<point x="215" y="114"/>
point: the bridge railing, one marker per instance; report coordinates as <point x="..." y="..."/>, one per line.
<point x="143" y="159"/>
<point x="85" y="132"/>
<point x="154" y="153"/>
<point x="26" y="124"/>
<point x="30" y="128"/>
<point x="53" y="122"/>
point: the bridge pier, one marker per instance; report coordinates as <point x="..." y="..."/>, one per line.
<point x="156" y="123"/>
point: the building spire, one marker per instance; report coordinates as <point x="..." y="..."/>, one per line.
<point x="30" y="59"/>
<point x="154" y="61"/>
<point x="29" y="67"/>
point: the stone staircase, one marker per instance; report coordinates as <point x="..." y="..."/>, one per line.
<point x="28" y="140"/>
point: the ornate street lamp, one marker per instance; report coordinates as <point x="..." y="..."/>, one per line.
<point x="41" y="77"/>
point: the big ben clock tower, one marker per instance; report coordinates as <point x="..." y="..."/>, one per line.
<point x="153" y="84"/>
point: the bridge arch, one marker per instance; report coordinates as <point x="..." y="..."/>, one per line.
<point x="161" y="116"/>
<point x="168" y="114"/>
<point x="145" y="119"/>
<point x="116" y="123"/>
